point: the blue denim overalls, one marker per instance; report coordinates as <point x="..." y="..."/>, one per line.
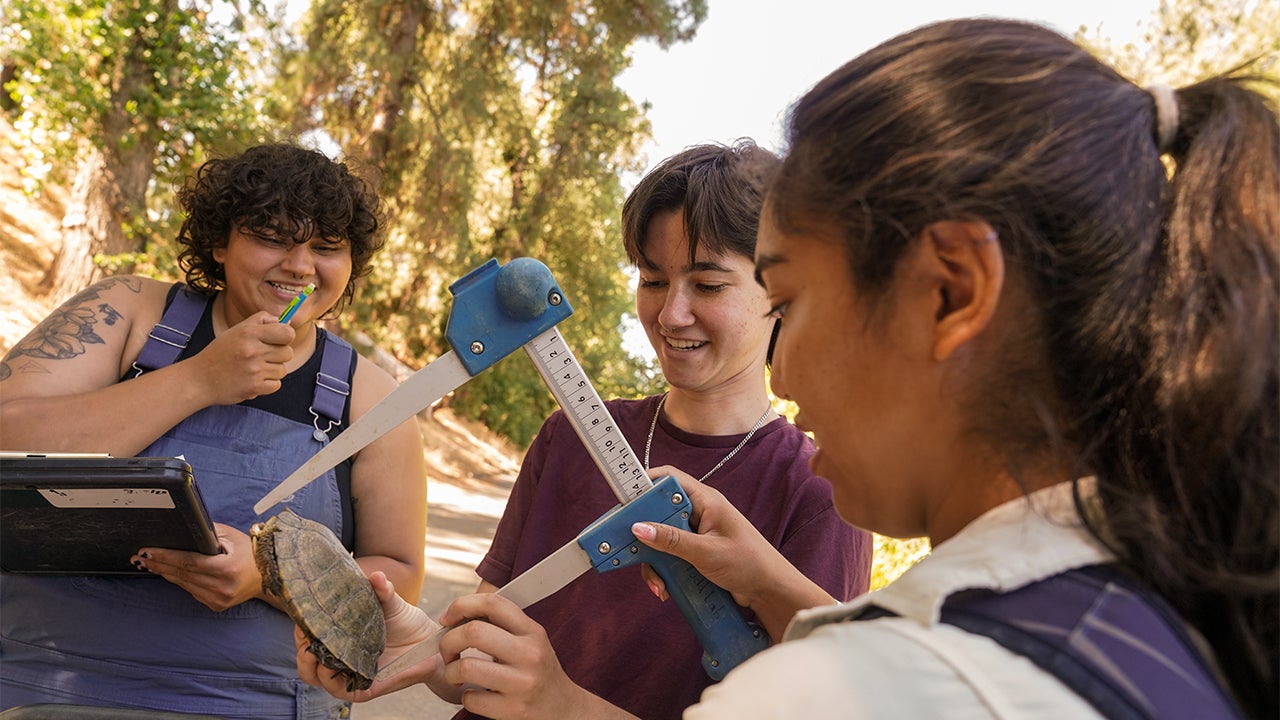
<point x="144" y="642"/>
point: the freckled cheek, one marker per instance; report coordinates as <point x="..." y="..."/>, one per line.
<point x="748" y="318"/>
<point x="743" y="327"/>
<point x="647" y="311"/>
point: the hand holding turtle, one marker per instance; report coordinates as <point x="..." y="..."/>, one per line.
<point x="407" y="625"/>
<point x="218" y="581"/>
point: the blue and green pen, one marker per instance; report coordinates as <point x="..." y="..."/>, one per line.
<point x="295" y="303"/>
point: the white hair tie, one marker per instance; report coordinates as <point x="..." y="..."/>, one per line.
<point x="1166" y="115"/>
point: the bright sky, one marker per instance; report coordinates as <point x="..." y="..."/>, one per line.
<point x="752" y="58"/>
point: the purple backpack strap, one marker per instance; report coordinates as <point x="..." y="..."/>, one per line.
<point x="332" y="388"/>
<point x="170" y="336"/>
<point x="1114" y="642"/>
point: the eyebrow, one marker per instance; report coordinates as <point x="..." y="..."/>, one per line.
<point x="764" y="262"/>
<point x="701" y="266"/>
<point x="706" y="266"/>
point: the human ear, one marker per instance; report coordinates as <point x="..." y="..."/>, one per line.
<point x="970" y="276"/>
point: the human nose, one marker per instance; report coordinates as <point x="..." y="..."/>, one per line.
<point x="298" y="261"/>
<point x="677" y="309"/>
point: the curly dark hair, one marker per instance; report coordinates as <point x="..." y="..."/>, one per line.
<point x="276" y="189"/>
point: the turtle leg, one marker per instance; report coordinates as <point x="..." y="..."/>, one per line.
<point x="355" y="681"/>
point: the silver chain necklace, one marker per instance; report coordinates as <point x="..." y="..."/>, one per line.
<point x="648" y="444"/>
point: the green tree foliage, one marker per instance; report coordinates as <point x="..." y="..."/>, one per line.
<point x="131" y="95"/>
<point x="500" y="132"/>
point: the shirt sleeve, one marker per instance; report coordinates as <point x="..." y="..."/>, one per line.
<point x="811" y="678"/>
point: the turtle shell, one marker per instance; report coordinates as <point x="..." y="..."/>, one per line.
<point x="324" y="591"/>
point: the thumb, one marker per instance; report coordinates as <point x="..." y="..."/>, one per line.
<point x="668" y="539"/>
<point x="382" y="586"/>
<point x="392" y="604"/>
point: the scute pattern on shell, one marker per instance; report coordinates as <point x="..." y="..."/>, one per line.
<point x="325" y="593"/>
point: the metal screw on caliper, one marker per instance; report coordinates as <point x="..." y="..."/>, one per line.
<point x="554" y="298"/>
<point x="603" y="548"/>
<point x="477" y="347"/>
<point x="676" y="499"/>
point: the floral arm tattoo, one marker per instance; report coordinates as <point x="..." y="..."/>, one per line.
<point x="68" y="330"/>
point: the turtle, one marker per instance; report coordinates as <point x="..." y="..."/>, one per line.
<point x="324" y="591"/>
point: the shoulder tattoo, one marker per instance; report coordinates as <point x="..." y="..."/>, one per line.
<point x="69" y="330"/>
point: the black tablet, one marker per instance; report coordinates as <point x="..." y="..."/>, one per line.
<point x="75" y="514"/>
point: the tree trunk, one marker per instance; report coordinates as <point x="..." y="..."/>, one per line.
<point x="110" y="189"/>
<point x="89" y="227"/>
<point x="8" y="71"/>
<point x="405" y="29"/>
<point x="104" y="197"/>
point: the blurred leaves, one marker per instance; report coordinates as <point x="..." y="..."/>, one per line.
<point x="892" y="557"/>
<point x="1188" y="40"/>
<point x="500" y="132"/>
<point x="153" y="86"/>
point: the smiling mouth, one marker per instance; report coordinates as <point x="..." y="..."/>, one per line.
<point x="291" y="289"/>
<point x="675" y="344"/>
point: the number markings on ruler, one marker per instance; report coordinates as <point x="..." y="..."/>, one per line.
<point x="588" y="415"/>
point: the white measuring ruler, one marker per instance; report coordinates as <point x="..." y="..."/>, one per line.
<point x="587" y="413"/>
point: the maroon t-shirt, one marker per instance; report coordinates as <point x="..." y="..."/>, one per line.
<point x="611" y="634"/>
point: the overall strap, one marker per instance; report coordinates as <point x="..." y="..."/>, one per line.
<point x="1114" y="642"/>
<point x="170" y="336"/>
<point x="332" y="388"/>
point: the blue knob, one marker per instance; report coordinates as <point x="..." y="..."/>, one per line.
<point x="524" y="288"/>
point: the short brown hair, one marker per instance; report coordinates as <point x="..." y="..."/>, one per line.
<point x="720" y="188"/>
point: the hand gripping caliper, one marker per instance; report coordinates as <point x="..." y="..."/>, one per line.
<point x="495" y="310"/>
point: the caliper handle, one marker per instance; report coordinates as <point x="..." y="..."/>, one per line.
<point x="727" y="638"/>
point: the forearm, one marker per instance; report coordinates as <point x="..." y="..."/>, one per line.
<point x="389" y="494"/>
<point x="788" y="592"/>
<point x="121" y="419"/>
<point x="405" y="576"/>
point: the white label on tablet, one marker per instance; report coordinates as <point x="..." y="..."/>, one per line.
<point x="143" y="498"/>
